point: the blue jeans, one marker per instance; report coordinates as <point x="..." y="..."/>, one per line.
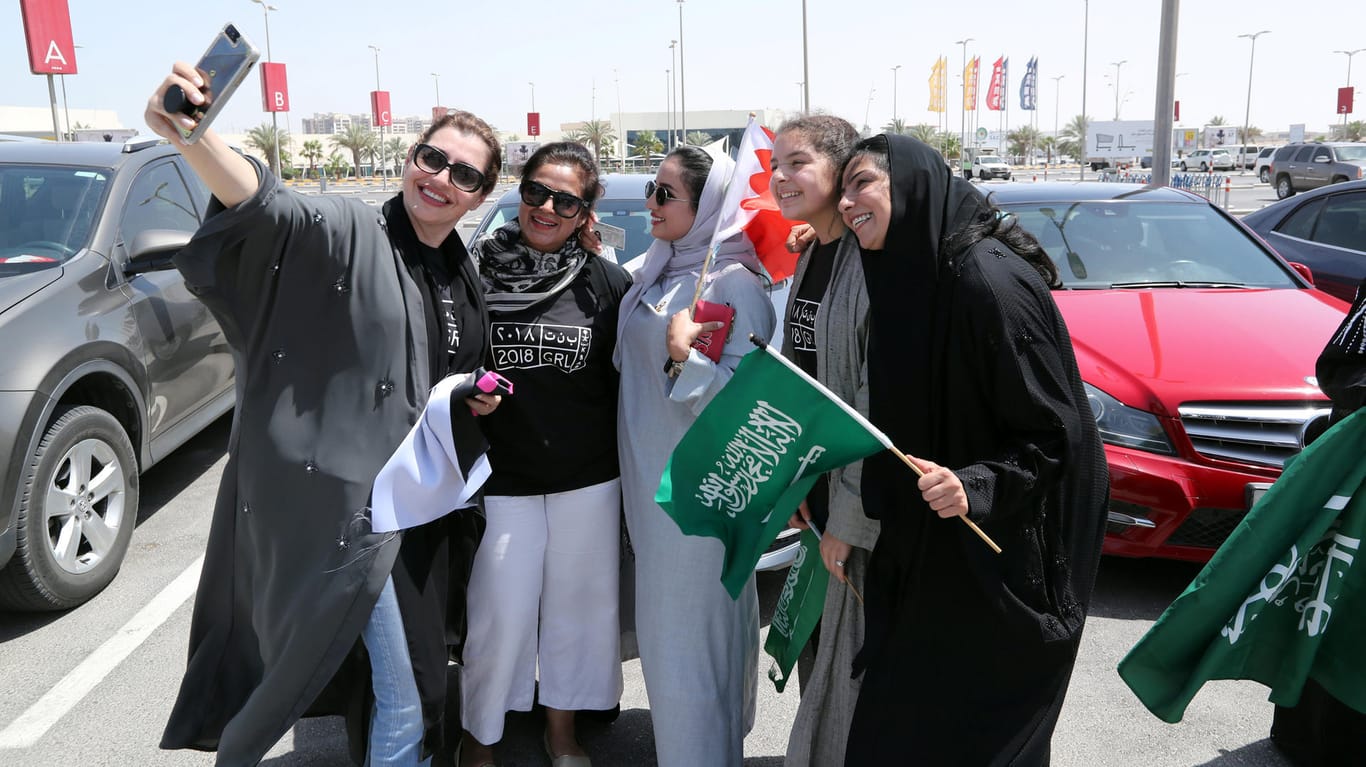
<point x="396" y="727"/>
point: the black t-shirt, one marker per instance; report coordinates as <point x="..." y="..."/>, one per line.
<point x="558" y="430"/>
<point x="454" y="322"/>
<point x="801" y="337"/>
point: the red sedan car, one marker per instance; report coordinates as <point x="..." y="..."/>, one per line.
<point x="1197" y="345"/>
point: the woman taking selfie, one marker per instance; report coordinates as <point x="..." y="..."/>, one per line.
<point x="341" y="317"/>
<point x="543" y="591"/>
<point x="970" y="372"/>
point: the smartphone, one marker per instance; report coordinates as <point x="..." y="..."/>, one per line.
<point x="223" y="67"/>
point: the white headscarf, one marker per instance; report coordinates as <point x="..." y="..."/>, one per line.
<point x="671" y="259"/>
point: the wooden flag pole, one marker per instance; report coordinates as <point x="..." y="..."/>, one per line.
<point x="980" y="534"/>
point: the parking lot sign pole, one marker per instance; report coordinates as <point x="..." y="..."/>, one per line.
<point x="1163" y="114"/>
<point x="1349" y="55"/>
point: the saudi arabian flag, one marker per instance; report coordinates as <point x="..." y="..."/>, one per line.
<point x="798" y="610"/>
<point x="1282" y="601"/>
<point x="752" y="455"/>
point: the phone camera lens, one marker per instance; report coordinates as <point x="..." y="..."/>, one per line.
<point x="233" y="35"/>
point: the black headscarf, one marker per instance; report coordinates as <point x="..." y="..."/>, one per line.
<point x="929" y="206"/>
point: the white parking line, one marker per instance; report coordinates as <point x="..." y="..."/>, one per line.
<point x="39" y="718"/>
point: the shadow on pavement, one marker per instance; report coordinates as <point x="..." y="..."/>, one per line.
<point x="182" y="467"/>
<point x="1139" y="589"/>
<point x="1259" y="754"/>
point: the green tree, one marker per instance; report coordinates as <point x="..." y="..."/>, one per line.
<point x="1352" y="131"/>
<point x="698" y="138"/>
<point x="336" y="165"/>
<point x="313" y="152"/>
<point x="1216" y="120"/>
<point x="356" y="139"/>
<point x="396" y="150"/>
<point x="923" y="131"/>
<point x="597" y="135"/>
<point x="1049" y="145"/>
<point x="1023" y="141"/>
<point x="265" y="138"/>
<point x="1073" y="136"/>
<point x="897" y="126"/>
<point x="1253" y="133"/>
<point x="949" y="144"/>
<point x="647" y="143"/>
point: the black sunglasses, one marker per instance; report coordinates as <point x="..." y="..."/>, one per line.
<point x="661" y="194"/>
<point x="464" y="176"/>
<point x="566" y="205"/>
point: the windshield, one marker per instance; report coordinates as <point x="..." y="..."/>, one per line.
<point x="1351" y="152"/>
<point x="47" y="213"/>
<point x="1111" y="243"/>
<point x="630" y="215"/>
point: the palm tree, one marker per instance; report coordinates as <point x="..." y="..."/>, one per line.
<point x="336" y="165"/>
<point x="647" y="143"/>
<point x="949" y="144"/>
<point x="596" y="135"/>
<point x="1048" y="144"/>
<point x="698" y="138"/>
<point x="1073" y="137"/>
<point x="1023" y="141"/>
<point x="396" y="149"/>
<point x="356" y="139"/>
<point x="265" y="138"/>
<point x="313" y="152"/>
<point x="897" y="126"/>
<point x="1352" y="131"/>
<point x="923" y="131"/>
<point x="1216" y="120"/>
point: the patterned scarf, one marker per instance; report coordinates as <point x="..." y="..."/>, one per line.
<point x="516" y="276"/>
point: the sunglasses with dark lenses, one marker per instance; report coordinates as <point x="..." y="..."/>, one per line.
<point x="661" y="194"/>
<point x="566" y="205"/>
<point x="464" y="176"/>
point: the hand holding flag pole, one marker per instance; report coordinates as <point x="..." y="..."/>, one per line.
<point x="866" y="424"/>
<point x="816" y="531"/>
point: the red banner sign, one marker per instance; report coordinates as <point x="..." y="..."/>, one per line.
<point x="1176" y="111"/>
<point x="533" y="123"/>
<point x="996" y="89"/>
<point x="47" y="27"/>
<point x="1345" y="100"/>
<point x="274" y="87"/>
<point x="379" y="108"/>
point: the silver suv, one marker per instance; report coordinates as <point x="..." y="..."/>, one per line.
<point x="1207" y="159"/>
<point x="1297" y="167"/>
<point x="109" y="363"/>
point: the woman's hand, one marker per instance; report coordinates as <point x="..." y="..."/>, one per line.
<point x="683" y="331"/>
<point x="483" y="404"/>
<point x="942" y="490"/>
<point x="164" y="123"/>
<point x="800" y="236"/>
<point x="589" y="238"/>
<point x="835" y="553"/>
<point x="801" y="518"/>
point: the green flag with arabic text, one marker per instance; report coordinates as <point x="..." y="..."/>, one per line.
<point x="1282" y="601"/>
<point x="752" y="455"/>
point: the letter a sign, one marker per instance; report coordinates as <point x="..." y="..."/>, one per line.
<point x="47" y="27"/>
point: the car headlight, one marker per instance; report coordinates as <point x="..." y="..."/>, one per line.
<point x="1125" y="426"/>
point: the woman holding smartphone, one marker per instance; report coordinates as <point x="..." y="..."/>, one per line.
<point x="698" y="647"/>
<point x="341" y="317"/>
<point x="544" y="589"/>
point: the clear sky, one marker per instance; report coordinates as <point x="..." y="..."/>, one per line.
<point x="738" y="54"/>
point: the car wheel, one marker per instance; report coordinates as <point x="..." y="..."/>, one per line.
<point x="1264" y="176"/>
<point x="1184" y="168"/>
<point x="1338" y="180"/>
<point x="77" y="509"/>
<point x="967" y="174"/>
<point x="983" y="175"/>
<point x="1204" y="168"/>
<point x="1284" y="188"/>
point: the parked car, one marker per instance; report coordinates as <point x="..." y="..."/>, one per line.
<point x="988" y="166"/>
<point x="110" y="361"/>
<point x="1325" y="230"/>
<point x="1244" y="157"/>
<point x="623" y="205"/>
<point x="1299" y="167"/>
<point x="1262" y="165"/>
<point x="1207" y="159"/>
<point x="1198" y="406"/>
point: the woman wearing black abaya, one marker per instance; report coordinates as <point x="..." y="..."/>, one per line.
<point x="970" y="365"/>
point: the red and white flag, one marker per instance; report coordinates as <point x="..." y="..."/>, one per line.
<point x="749" y="206"/>
<point x="996" y="91"/>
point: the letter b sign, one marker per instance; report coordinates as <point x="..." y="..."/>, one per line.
<point x="274" y="88"/>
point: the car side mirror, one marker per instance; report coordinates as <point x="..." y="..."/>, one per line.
<point x="152" y="249"/>
<point x="1304" y="271"/>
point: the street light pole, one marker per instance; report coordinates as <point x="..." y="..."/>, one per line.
<point x="963" y="104"/>
<point x="1117" y="65"/>
<point x="894" y="69"/>
<point x="673" y="103"/>
<point x="800" y="93"/>
<point x="383" y="171"/>
<point x="1348" y="54"/>
<point x="621" y="129"/>
<point x="1247" y="110"/>
<point x="806" y="73"/>
<point x="274" y="116"/>
<point x="682" y="82"/>
<point x="436" y="80"/>
<point x="1085" y="52"/>
<point x="868" y="109"/>
<point x="1057" y="100"/>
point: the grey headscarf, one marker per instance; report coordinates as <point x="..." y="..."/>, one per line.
<point x="672" y="259"/>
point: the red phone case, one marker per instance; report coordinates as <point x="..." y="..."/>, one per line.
<point x="711" y="343"/>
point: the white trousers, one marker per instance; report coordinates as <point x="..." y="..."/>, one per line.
<point x="544" y="587"/>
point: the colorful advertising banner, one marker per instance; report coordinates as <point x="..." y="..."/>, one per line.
<point x="996" y="91"/>
<point x="970" y="84"/>
<point x="379" y="108"/>
<point x="1029" y="86"/>
<point x="47" y="28"/>
<point x="1345" y="100"/>
<point x="937" y="84"/>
